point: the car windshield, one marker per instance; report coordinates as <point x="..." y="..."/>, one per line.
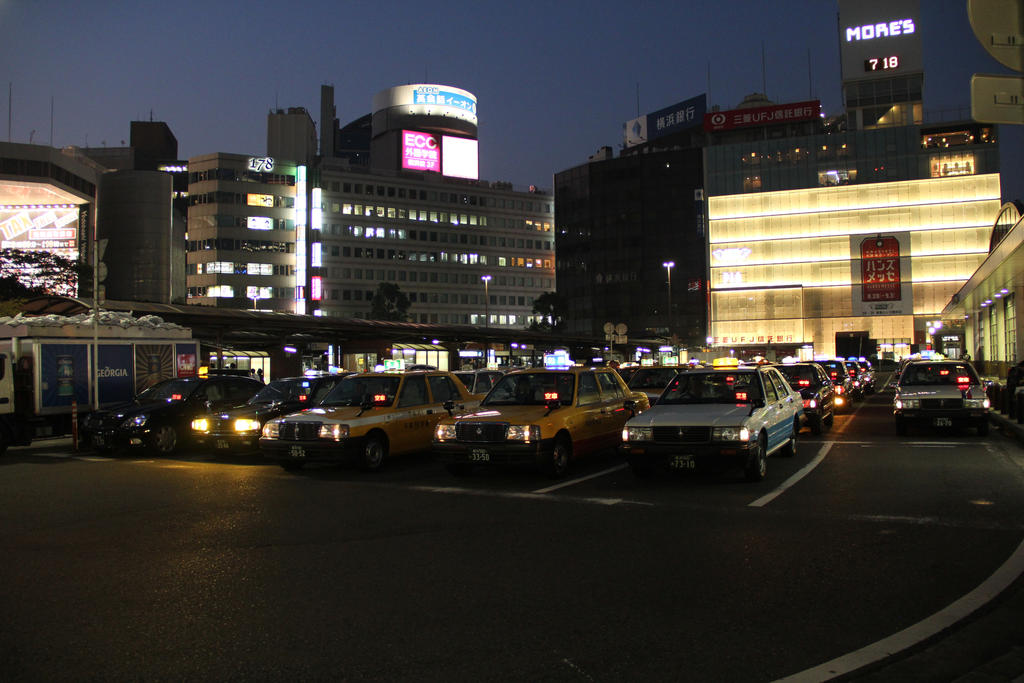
<point x="466" y="378"/>
<point x="652" y="378"/>
<point x="353" y="390"/>
<point x="799" y="375"/>
<point x="833" y="367"/>
<point x="938" y="374"/>
<point x="712" y="387"/>
<point x="532" y="389"/>
<point x="170" y="390"/>
<point x="627" y="373"/>
<point x="284" y="390"/>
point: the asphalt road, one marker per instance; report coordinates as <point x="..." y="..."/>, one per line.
<point x="198" y="567"/>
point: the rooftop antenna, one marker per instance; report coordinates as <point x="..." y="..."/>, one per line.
<point x="10" y="107"/>
<point x="51" y="120"/>
<point x="810" y="81"/>
<point x="151" y="116"/>
<point x="764" y="72"/>
<point x="638" y="99"/>
<point x="709" y="100"/>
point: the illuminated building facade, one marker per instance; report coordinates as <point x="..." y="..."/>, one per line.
<point x="47" y="201"/>
<point x="318" y="234"/>
<point x="875" y="233"/>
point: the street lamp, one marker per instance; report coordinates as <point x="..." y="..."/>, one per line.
<point x="487" y="317"/>
<point x="668" y="267"/>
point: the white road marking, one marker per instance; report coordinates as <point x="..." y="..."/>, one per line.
<point x="800" y="474"/>
<point x="1006" y="574"/>
<point x="527" y="496"/>
<point x="573" y="482"/>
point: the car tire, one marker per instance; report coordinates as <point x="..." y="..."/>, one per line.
<point x="982" y="426"/>
<point x="901" y="426"/>
<point x="789" y="450"/>
<point x="459" y="469"/>
<point x="757" y="465"/>
<point x="375" y="451"/>
<point x="165" y="440"/>
<point x="817" y="424"/>
<point x="557" y="463"/>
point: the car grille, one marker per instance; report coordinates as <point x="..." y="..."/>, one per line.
<point x="682" y="434"/>
<point x="941" y="403"/>
<point x="298" y="431"/>
<point x="480" y="432"/>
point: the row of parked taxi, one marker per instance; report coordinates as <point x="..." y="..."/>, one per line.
<point x="664" y="418"/>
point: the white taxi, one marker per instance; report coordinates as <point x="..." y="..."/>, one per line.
<point x="716" y="418"/>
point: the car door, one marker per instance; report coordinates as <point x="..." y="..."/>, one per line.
<point x="613" y="399"/>
<point x="772" y="408"/>
<point x="411" y="427"/>
<point x="589" y="414"/>
<point x="790" y="401"/>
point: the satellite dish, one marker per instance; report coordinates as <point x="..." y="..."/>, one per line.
<point x="608" y="328"/>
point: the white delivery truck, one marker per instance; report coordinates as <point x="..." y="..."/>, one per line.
<point x="54" y="369"/>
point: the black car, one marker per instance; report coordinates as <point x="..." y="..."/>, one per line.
<point x="652" y="380"/>
<point x="479" y="381"/>
<point x="846" y="391"/>
<point x="816" y="389"/>
<point x="160" y="418"/>
<point x="239" y="429"/>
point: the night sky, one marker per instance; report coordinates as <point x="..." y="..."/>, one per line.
<point x="554" y="81"/>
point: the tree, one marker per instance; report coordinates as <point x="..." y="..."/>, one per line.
<point x="551" y="307"/>
<point x="389" y="303"/>
<point x="26" y="273"/>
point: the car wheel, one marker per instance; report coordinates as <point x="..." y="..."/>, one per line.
<point x="982" y="426"/>
<point x="557" y="463"/>
<point x="757" y="465"/>
<point x="901" y="426"/>
<point x="789" y="450"/>
<point x="640" y="469"/>
<point x="817" y="424"/>
<point x="165" y="440"/>
<point x="374" y="452"/>
<point x="459" y="469"/>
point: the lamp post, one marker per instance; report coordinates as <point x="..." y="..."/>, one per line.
<point x="668" y="267"/>
<point x="487" y="318"/>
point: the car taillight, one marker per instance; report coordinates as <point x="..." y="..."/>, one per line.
<point x="804" y="382"/>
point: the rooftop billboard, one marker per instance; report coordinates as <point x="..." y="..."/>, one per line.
<point x="879" y="38"/>
<point x="678" y="117"/>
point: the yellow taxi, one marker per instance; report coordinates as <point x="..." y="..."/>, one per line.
<point x="366" y="418"/>
<point x="540" y="417"/>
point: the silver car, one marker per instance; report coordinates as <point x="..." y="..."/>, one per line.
<point x="940" y="393"/>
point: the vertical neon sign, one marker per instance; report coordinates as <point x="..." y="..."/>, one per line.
<point x="300" y="240"/>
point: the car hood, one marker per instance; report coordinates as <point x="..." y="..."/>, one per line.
<point x="692" y="415"/>
<point x="129" y="408"/>
<point x="512" y="414"/>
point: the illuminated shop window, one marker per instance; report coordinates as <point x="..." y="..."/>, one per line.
<point x="221" y="291"/>
<point x="945" y="165"/>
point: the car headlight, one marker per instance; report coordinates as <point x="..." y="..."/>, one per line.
<point x="977" y="403"/>
<point x="730" y="434"/>
<point x="902" y="403"/>
<point x="637" y="434"/>
<point x="244" y="424"/>
<point x="271" y="430"/>
<point x="335" y="432"/>
<point x="201" y="424"/>
<point x="135" y="421"/>
<point x="445" y="432"/>
<point x="524" y="433"/>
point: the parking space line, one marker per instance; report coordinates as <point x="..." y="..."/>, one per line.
<point x="523" y="495"/>
<point x="573" y="482"/>
<point x="803" y="472"/>
<point x="1006" y="574"/>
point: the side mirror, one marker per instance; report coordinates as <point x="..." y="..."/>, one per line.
<point x="552" y="404"/>
<point x="630" y="405"/>
<point x="449" y="405"/>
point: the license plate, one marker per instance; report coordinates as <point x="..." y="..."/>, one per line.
<point x="297" y="452"/>
<point x="97" y="440"/>
<point x="943" y="422"/>
<point x="682" y="462"/>
<point x="222" y="444"/>
<point x="479" y="455"/>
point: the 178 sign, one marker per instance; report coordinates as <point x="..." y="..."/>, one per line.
<point x="261" y="164"/>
